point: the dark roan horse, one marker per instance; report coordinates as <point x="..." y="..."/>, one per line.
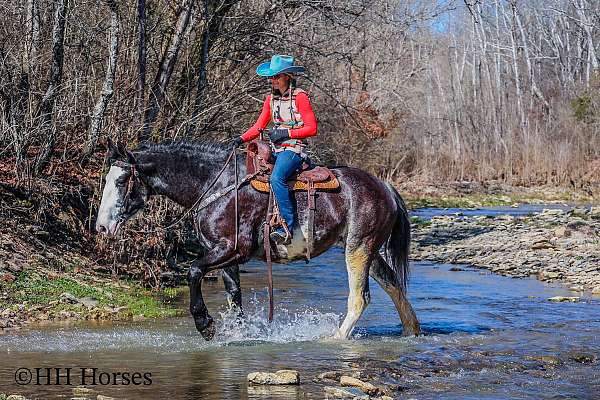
<point x="365" y="215"/>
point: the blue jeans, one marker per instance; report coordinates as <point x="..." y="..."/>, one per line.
<point x="286" y="163"/>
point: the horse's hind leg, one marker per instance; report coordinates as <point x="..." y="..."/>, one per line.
<point x="231" y="279"/>
<point x="357" y="264"/>
<point x="384" y="275"/>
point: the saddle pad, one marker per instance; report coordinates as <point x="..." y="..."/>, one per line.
<point x="297" y="185"/>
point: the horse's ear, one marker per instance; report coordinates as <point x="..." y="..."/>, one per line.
<point x="112" y="152"/>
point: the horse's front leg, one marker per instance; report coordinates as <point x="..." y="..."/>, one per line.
<point x="231" y="279"/>
<point x="222" y="255"/>
<point x="204" y="322"/>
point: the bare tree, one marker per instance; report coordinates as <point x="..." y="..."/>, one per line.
<point x="161" y="81"/>
<point x="109" y="81"/>
<point x="141" y="61"/>
<point x="52" y="89"/>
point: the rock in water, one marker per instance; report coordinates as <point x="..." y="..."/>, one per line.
<point x="357" y="383"/>
<point x="81" y="391"/>
<point x="583" y="358"/>
<point x="339" y="393"/>
<point x="281" y="377"/>
<point x="559" y="299"/>
<point x="331" y="375"/>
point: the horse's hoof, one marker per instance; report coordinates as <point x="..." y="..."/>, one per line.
<point x="209" y="332"/>
<point x="206" y="327"/>
<point x="411" y="332"/>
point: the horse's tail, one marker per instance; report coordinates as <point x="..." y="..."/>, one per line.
<point x="398" y="244"/>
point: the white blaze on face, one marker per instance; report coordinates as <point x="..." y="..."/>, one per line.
<point x="107" y="214"/>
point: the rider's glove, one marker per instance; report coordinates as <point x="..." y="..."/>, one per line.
<point x="279" y="135"/>
<point x="237" y="141"/>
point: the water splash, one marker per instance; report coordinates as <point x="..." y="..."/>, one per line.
<point x="287" y="326"/>
<point x="179" y="334"/>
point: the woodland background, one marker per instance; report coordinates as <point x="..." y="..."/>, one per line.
<point x="424" y="91"/>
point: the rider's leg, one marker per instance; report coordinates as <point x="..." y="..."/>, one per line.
<point x="286" y="163"/>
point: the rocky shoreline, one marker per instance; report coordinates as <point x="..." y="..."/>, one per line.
<point x="554" y="245"/>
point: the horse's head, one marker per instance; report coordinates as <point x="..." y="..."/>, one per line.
<point x="125" y="192"/>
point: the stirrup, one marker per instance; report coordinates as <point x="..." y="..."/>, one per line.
<point x="280" y="238"/>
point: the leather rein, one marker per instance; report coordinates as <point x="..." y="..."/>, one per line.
<point x="203" y="202"/>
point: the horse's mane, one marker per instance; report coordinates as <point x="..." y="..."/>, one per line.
<point x="205" y="152"/>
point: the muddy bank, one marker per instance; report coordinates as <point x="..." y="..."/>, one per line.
<point x="554" y="245"/>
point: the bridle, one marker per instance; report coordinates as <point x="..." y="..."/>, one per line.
<point x="133" y="177"/>
<point x="202" y="202"/>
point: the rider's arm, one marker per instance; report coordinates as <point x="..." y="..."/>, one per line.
<point x="309" y="128"/>
<point x="261" y="123"/>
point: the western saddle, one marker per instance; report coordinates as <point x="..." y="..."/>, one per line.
<point x="310" y="178"/>
<point x="259" y="165"/>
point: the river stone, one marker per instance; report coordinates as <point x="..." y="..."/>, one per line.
<point x="281" y="377"/>
<point x="596" y="290"/>
<point x="340" y="393"/>
<point x="562" y="231"/>
<point x="541" y="245"/>
<point x="331" y="375"/>
<point x="548" y="211"/>
<point x="81" y="391"/>
<point x="560" y="299"/>
<point x="545" y="275"/>
<point x="68" y="298"/>
<point x="549" y="360"/>
<point x="366" y="387"/>
<point x="101" y="397"/>
<point x="88" y="302"/>
<point x="582" y="358"/>
<point x="16" y="397"/>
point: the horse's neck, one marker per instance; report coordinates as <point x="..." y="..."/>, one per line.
<point x="185" y="185"/>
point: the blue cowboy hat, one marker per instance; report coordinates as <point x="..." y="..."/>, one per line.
<point x="279" y="65"/>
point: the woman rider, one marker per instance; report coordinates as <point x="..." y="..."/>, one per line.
<point x="288" y="109"/>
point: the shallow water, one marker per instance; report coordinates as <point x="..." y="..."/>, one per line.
<point x="518" y="211"/>
<point x="484" y="336"/>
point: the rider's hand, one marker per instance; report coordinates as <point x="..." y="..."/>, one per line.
<point x="279" y="135"/>
<point x="238" y="141"/>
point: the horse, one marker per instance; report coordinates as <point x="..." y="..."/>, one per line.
<point x="365" y="215"/>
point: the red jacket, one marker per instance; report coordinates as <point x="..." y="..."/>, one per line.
<point x="308" y="129"/>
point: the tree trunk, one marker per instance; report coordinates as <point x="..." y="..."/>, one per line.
<point x="212" y="22"/>
<point x="534" y="87"/>
<point x="56" y="72"/>
<point x="21" y="135"/>
<point x="109" y="81"/>
<point x="141" y="63"/>
<point x="156" y="97"/>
